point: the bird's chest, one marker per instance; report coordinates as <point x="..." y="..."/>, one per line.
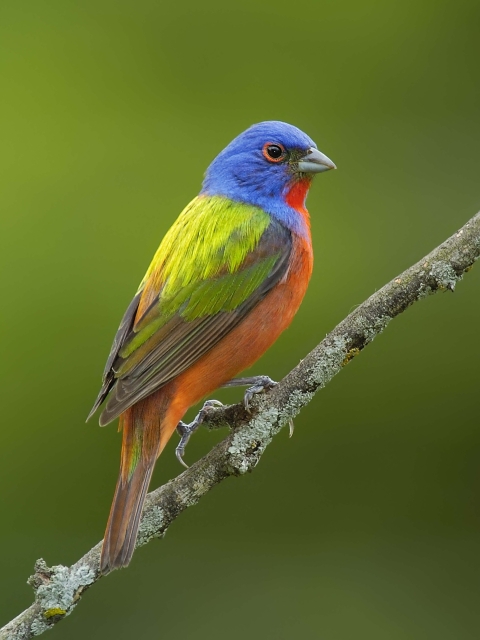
<point x="293" y="285"/>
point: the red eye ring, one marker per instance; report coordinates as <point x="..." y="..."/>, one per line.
<point x="274" y="151"/>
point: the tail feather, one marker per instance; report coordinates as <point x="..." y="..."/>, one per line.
<point x="140" y="449"/>
<point x="124" y="520"/>
<point x="147" y="427"/>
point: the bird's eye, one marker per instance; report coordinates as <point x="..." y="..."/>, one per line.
<point x="274" y="152"/>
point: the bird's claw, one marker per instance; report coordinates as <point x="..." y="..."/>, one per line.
<point x="185" y="430"/>
<point x="291" y="427"/>
<point x="261" y="384"/>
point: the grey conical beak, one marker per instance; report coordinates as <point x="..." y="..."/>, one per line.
<point x="314" y="161"/>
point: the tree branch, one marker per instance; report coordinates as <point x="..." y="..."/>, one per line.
<point x="58" y="589"/>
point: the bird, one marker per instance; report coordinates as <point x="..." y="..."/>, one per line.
<point x="225" y="282"/>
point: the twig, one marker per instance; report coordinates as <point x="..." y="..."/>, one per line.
<point x="58" y="589"/>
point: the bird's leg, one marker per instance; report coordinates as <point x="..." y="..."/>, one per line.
<point x="258" y="384"/>
<point x="185" y="430"/>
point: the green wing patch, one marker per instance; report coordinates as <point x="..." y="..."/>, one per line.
<point x="218" y="260"/>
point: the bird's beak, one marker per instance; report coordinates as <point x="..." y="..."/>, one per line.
<point x="314" y="161"/>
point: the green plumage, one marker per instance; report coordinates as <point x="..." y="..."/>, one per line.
<point x="196" y="269"/>
<point x="216" y="262"/>
<point x="211" y="235"/>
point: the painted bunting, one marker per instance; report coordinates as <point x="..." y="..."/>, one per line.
<point x="225" y="282"/>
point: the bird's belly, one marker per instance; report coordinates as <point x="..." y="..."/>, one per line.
<point x="249" y="340"/>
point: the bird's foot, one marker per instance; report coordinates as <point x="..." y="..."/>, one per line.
<point x="291" y="427"/>
<point x="259" y="384"/>
<point x="185" y="430"/>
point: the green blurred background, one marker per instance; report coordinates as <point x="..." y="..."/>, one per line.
<point x="366" y="524"/>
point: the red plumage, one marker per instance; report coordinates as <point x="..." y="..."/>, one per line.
<point x="159" y="413"/>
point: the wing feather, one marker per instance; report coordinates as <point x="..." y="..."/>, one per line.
<point x="153" y="347"/>
<point x="124" y="329"/>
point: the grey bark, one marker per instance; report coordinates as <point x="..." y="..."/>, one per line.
<point x="58" y="589"/>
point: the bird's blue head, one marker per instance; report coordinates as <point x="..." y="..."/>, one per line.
<point x="271" y="166"/>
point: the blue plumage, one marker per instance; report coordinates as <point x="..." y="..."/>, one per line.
<point x="241" y="172"/>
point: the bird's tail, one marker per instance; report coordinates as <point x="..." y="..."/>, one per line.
<point x="141" y="446"/>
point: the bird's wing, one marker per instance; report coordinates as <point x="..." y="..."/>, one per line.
<point x="215" y="264"/>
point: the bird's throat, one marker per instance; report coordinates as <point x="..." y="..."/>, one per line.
<point x="296" y="196"/>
